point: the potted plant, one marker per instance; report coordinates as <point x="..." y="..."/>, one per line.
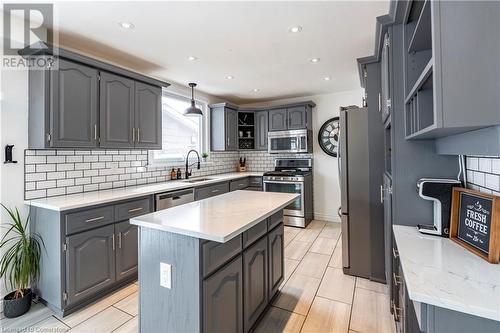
<point x="204" y="156"/>
<point x="19" y="264"/>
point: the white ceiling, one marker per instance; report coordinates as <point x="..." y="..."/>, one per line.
<point x="248" y="40"/>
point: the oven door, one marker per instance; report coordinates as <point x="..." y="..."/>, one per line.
<point x="287" y="143"/>
<point x="296" y="208"/>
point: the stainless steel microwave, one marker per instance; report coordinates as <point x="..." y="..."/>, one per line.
<point x="294" y="141"/>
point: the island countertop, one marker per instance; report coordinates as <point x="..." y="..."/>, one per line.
<point x="440" y="272"/>
<point x="218" y="218"/>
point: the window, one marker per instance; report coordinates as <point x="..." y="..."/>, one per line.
<point x="179" y="133"/>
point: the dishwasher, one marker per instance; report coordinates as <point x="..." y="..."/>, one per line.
<point x="172" y="199"/>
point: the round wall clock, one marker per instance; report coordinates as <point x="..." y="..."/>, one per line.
<point x="328" y="136"/>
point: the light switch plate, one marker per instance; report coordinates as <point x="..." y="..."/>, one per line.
<point x="165" y="275"/>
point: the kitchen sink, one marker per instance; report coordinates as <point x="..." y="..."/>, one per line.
<point x="196" y="180"/>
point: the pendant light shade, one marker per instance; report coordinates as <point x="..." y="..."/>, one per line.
<point x="193" y="110"/>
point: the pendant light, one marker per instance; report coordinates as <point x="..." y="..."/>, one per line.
<point x="192" y="110"/>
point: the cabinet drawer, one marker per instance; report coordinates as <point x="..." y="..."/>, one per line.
<point x="211" y="191"/>
<point x="255" y="181"/>
<point x="239" y="184"/>
<point x="254" y="233"/>
<point x="88" y="219"/>
<point x="131" y="209"/>
<point x="216" y="254"/>
<point x="275" y="219"/>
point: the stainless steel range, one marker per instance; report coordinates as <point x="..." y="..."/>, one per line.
<point x="293" y="175"/>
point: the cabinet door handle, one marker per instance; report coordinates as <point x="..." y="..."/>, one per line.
<point x="395" y="253"/>
<point x="381" y="194"/>
<point x="113" y="239"/>
<point x="135" y="209"/>
<point x="95" y="132"/>
<point x="396" y="279"/>
<point x="138" y="134"/>
<point x="397" y="312"/>
<point x="133" y="134"/>
<point x="94" y="219"/>
<point x="379" y="102"/>
<point x="119" y="240"/>
<point x="215" y="191"/>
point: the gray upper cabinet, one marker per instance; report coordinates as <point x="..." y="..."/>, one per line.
<point x="291" y="118"/>
<point x="73" y="105"/>
<point x="297" y="117"/>
<point x="261" y="129"/>
<point x="223" y="127"/>
<point x="90" y="263"/>
<point x="255" y="277"/>
<point x="147" y="116"/>
<point x="83" y="103"/>
<point x="126" y="249"/>
<point x="223" y="300"/>
<point x="385" y="68"/>
<point x="117" y="103"/>
<point x="278" y="120"/>
<point x="231" y="129"/>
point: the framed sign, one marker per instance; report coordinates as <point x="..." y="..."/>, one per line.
<point x="475" y="223"/>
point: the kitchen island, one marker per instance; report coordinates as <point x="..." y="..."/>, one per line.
<point x="213" y="265"/>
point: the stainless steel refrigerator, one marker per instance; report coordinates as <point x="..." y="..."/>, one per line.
<point x="361" y="165"/>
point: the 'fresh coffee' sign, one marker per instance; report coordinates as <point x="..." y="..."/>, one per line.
<point x="475" y="222"/>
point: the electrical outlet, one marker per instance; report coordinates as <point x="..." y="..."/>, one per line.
<point x="165" y="275"/>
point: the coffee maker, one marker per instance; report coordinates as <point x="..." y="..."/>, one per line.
<point x="438" y="191"/>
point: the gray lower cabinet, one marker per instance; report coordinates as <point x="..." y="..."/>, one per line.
<point x="278" y="120"/>
<point x="126" y="250"/>
<point x="261" y="129"/>
<point x="239" y="184"/>
<point x="117" y="103"/>
<point x="201" y="193"/>
<point x="90" y="263"/>
<point x="255" y="272"/>
<point x="276" y="245"/>
<point x="223" y="300"/>
<point x="148" y="121"/>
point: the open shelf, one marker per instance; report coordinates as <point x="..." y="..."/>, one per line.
<point x="422" y="34"/>
<point x="421" y="80"/>
<point x="419" y="109"/>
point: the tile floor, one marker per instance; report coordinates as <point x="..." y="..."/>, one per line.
<point x="315" y="297"/>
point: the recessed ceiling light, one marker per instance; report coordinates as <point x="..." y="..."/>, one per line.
<point x="229" y="77"/>
<point x="314" y="60"/>
<point x="192" y="58"/>
<point x="295" y="29"/>
<point x="256" y="89"/>
<point x="326" y="78"/>
<point x="126" y="25"/>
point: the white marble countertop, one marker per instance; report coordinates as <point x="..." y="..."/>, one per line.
<point x="218" y="218"/>
<point x="439" y="272"/>
<point x="80" y="200"/>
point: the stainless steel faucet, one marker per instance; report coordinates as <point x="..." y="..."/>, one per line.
<point x="188" y="173"/>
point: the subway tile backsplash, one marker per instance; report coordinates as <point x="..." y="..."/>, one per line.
<point x="483" y="174"/>
<point x="58" y="172"/>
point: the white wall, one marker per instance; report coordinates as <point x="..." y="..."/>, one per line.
<point x="326" y="180"/>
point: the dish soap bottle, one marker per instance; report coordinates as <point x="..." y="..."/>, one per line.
<point x="179" y="173"/>
<point x="173" y="174"/>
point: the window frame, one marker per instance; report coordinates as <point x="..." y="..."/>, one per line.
<point x="204" y="128"/>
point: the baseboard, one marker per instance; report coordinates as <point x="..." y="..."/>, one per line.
<point x="327" y="217"/>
